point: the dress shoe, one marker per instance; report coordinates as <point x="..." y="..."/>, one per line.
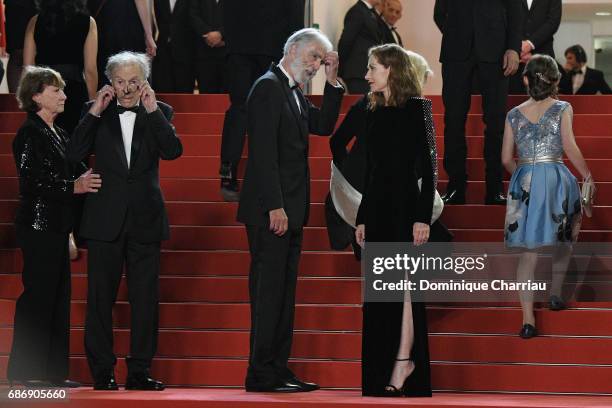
<point x="454" y="196"/>
<point x="280" y="386"/>
<point x="106" y="383"/>
<point x="65" y="384"/>
<point x="304" y="386"/>
<point x="555" y="303"/>
<point x="528" y="331"/>
<point x="142" y="381"/>
<point x="495" y="199"/>
<point x="230" y="191"/>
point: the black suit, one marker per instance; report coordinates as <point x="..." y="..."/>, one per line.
<point x="174" y="64"/>
<point x="124" y="223"/>
<point x="362" y="30"/>
<point x="119" y="29"/>
<point x="475" y="36"/>
<point x="255" y="32"/>
<point x="277" y="176"/>
<point x="594" y="82"/>
<point x="211" y="69"/>
<point x="540" y="23"/>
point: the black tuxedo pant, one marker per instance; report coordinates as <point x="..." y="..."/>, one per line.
<point x="272" y="283"/>
<point x="42" y="314"/>
<point x="211" y="72"/>
<point x="243" y="71"/>
<point x="171" y="75"/>
<point x="105" y="267"/>
<point x="457" y="83"/>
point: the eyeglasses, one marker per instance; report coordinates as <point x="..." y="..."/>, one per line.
<point x="132" y="85"/>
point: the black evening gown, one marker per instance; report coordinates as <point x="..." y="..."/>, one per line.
<point x="400" y="148"/>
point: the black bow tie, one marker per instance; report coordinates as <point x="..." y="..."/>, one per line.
<point x="295" y="86"/>
<point x="123" y="109"/>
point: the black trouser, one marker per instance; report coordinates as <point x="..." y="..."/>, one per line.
<point x="105" y="266"/>
<point x="13" y="70"/>
<point x="1" y="71"/>
<point x="357" y="86"/>
<point x="516" y="85"/>
<point x="272" y="282"/>
<point x="243" y="72"/>
<point x="42" y="315"/>
<point x="211" y="72"/>
<point x="457" y="83"/>
<point x="171" y="75"/>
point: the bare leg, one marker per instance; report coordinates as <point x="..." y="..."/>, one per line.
<point x="403" y="366"/>
<point x="560" y="262"/>
<point x="525" y="272"/>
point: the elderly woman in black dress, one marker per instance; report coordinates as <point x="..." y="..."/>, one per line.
<point x="401" y="148"/>
<point x="47" y="185"/>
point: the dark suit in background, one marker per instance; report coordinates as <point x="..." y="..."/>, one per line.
<point x="362" y="30"/>
<point x="540" y="23"/>
<point x="119" y="29"/>
<point x="124" y="224"/>
<point x="174" y="65"/>
<point x="475" y="36"/>
<point x="255" y="32"/>
<point x="211" y="68"/>
<point x="594" y="82"/>
<point x="277" y="176"/>
<point x="17" y="15"/>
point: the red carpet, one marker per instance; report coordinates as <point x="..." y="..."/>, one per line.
<point x="204" y="315"/>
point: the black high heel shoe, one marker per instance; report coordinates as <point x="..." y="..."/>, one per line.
<point x="391" y="390"/>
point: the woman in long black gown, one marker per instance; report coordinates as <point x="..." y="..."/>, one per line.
<point x="400" y="144"/>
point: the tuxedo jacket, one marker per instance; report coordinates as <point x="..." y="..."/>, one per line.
<point x="126" y="191"/>
<point x="594" y="82"/>
<point x="277" y="173"/>
<point x="206" y="16"/>
<point x="483" y="28"/>
<point x="388" y="36"/>
<point x="540" y="23"/>
<point x="174" y="28"/>
<point x="362" y="30"/>
<point x="261" y="27"/>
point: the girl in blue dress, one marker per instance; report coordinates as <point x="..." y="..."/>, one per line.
<point x="544" y="201"/>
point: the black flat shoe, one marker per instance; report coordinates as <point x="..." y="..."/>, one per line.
<point x="555" y="303"/>
<point x="230" y="191"/>
<point x="454" y="196"/>
<point x="65" y="384"/>
<point x="528" y="331"/>
<point x="106" y="383"/>
<point x="304" y="386"/>
<point x="495" y="199"/>
<point x="143" y="382"/>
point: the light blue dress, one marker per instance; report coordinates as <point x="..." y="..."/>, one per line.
<point x="543" y="207"/>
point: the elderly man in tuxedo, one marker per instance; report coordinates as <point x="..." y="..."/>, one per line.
<point x="128" y="131"/>
<point x="541" y="19"/>
<point x="274" y="203"/>
<point x="483" y="38"/>
<point x="391" y="13"/>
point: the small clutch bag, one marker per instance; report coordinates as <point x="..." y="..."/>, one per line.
<point x="588" y="189"/>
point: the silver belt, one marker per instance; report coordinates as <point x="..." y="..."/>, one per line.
<point x="542" y="159"/>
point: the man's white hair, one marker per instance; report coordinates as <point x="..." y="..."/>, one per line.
<point x="126" y="58"/>
<point x="307" y="36"/>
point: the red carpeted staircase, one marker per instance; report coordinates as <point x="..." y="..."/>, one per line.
<point x="204" y="314"/>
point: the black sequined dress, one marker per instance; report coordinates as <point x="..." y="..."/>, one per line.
<point x="400" y="148"/>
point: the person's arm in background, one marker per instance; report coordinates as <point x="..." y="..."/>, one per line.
<point x="548" y="29"/>
<point x="3" y="53"/>
<point x="29" y="45"/>
<point x="440" y="14"/>
<point x="90" y="56"/>
<point x="145" y="18"/>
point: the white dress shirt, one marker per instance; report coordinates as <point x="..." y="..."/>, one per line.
<point x="578" y="79"/>
<point x="127" y="120"/>
<point x="291" y="85"/>
<point x="172" y="4"/>
<point x="529" y="3"/>
<point x="367" y="4"/>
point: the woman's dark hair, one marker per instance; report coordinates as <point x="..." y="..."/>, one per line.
<point x="543" y="77"/>
<point x="54" y="14"/>
<point x="34" y="81"/>
<point x="403" y="80"/>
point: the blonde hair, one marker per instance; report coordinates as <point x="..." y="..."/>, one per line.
<point x="403" y="81"/>
<point x="421" y="66"/>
